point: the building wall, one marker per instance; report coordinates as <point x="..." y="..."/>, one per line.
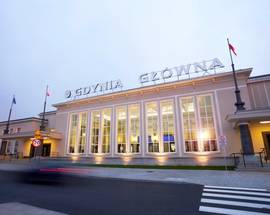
<point x="30" y="125"/>
<point x="61" y="125"/>
<point x="259" y="92"/>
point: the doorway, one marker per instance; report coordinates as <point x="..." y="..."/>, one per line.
<point x="266" y="140"/>
<point x="46" y="150"/>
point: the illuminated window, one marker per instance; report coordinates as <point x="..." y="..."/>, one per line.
<point x="73" y="133"/>
<point x="134" y="128"/>
<point x="189" y="124"/>
<point x="82" y="132"/>
<point x="121" y="119"/>
<point x="95" y="131"/>
<point x="152" y="127"/>
<point x="77" y="133"/>
<point x="167" y="113"/>
<point x="106" y="130"/>
<point x="198" y="124"/>
<point x="207" y="126"/>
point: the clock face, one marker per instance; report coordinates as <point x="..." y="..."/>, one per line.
<point x="68" y="94"/>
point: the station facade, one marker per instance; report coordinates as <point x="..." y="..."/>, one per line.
<point x="180" y="122"/>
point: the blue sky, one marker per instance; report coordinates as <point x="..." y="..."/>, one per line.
<point x="69" y="44"/>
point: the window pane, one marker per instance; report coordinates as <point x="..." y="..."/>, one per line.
<point x="167" y="113"/>
<point x="95" y="124"/>
<point x="152" y="127"/>
<point x="121" y="119"/>
<point x="207" y="129"/>
<point x="134" y="128"/>
<point x="189" y="124"/>
<point x="82" y="128"/>
<point x="73" y="133"/>
<point x="106" y="130"/>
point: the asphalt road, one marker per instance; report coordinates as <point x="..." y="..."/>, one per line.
<point x="104" y="196"/>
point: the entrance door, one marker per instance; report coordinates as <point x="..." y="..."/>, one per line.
<point x="46" y="150"/>
<point x="266" y="139"/>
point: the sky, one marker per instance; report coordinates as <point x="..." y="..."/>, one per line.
<point x="68" y="44"/>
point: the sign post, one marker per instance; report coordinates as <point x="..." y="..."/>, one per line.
<point x="36" y="141"/>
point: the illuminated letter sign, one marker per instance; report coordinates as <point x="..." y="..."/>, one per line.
<point x="195" y="70"/>
<point x="95" y="88"/>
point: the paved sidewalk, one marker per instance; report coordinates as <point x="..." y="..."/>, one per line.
<point x="24" y="209"/>
<point x="203" y="177"/>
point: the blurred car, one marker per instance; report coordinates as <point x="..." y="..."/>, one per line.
<point x="50" y="173"/>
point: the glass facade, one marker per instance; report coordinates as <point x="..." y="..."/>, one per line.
<point x="95" y="131"/>
<point x="198" y="124"/>
<point x="189" y="124"/>
<point x="77" y="133"/>
<point x="196" y="116"/>
<point x="152" y="131"/>
<point x="106" y="130"/>
<point x="167" y="112"/>
<point x="134" y="128"/>
<point x="121" y="129"/>
<point x="100" y="134"/>
<point x="207" y="125"/>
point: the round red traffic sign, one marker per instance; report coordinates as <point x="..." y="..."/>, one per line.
<point x="36" y="142"/>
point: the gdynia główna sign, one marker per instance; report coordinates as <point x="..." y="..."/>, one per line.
<point x="94" y="89"/>
<point x="182" y="72"/>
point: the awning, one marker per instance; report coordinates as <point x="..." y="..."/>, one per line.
<point x="249" y="115"/>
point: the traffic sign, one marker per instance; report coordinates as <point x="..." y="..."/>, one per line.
<point x="36" y="142"/>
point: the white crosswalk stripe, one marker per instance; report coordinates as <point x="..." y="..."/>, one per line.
<point x="235" y="201"/>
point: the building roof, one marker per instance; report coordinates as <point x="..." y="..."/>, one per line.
<point x="22" y="120"/>
<point x="259" y="78"/>
<point x="48" y="113"/>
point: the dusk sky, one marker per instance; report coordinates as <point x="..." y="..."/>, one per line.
<point x="70" y="44"/>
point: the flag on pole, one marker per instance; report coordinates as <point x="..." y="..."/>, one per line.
<point x="13" y="100"/>
<point x="48" y="93"/>
<point x="231" y="47"/>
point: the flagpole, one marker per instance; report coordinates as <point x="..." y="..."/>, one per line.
<point x="42" y="126"/>
<point x="246" y="141"/>
<point x="239" y="103"/>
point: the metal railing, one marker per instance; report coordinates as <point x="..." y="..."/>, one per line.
<point x="238" y="155"/>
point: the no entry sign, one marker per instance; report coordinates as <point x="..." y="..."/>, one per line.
<point x="36" y="142"/>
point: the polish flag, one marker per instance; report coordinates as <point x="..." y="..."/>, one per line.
<point x="232" y="48"/>
<point x="48" y="93"/>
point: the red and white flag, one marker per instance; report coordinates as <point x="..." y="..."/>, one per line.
<point x="48" y="93"/>
<point x="231" y="47"/>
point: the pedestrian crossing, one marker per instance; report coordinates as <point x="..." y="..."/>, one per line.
<point x="235" y="201"/>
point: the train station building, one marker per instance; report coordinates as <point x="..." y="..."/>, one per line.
<point x="189" y="121"/>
